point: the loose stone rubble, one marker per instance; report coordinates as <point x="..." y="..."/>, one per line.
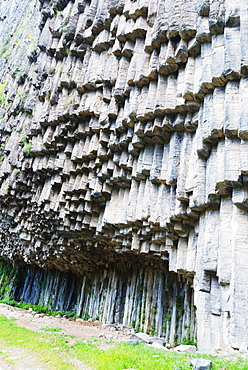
<point x="201" y="364"/>
<point x="124" y="162"/>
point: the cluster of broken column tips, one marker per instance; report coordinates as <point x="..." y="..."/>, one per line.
<point x="127" y="132"/>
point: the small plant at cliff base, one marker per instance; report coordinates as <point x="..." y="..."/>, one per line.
<point x="188" y="341"/>
<point x="38" y="308"/>
<point x="85" y="316"/>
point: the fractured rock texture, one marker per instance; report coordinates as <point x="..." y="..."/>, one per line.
<point x="124" y="153"/>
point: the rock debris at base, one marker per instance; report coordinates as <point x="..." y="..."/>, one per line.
<point x="201" y="364"/>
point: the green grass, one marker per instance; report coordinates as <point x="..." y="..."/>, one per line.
<point x="46" y="347"/>
<point x="38" y="308"/>
<point x="55" y="350"/>
<point x="50" y="328"/>
<point x="124" y="356"/>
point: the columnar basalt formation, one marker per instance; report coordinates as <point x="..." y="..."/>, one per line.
<point x="124" y="161"/>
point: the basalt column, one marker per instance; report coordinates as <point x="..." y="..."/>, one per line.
<point x="124" y="162"/>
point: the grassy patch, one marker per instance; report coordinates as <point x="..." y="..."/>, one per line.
<point x="48" y="348"/>
<point x="140" y="357"/>
<point x="38" y="308"/>
<point x="50" y="328"/>
<point x="55" y="350"/>
<point x="124" y="356"/>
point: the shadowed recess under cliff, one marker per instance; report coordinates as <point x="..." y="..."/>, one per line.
<point x="148" y="299"/>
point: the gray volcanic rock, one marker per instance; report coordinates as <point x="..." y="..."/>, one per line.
<point x="185" y="348"/>
<point x="201" y="364"/>
<point x="124" y="162"/>
<point x="142" y="337"/>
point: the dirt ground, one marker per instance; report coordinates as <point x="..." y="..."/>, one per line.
<point x="23" y="359"/>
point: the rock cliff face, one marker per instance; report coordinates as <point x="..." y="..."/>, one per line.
<point x="124" y="161"/>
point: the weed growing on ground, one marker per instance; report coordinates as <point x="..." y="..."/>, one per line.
<point x="50" y="328"/>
